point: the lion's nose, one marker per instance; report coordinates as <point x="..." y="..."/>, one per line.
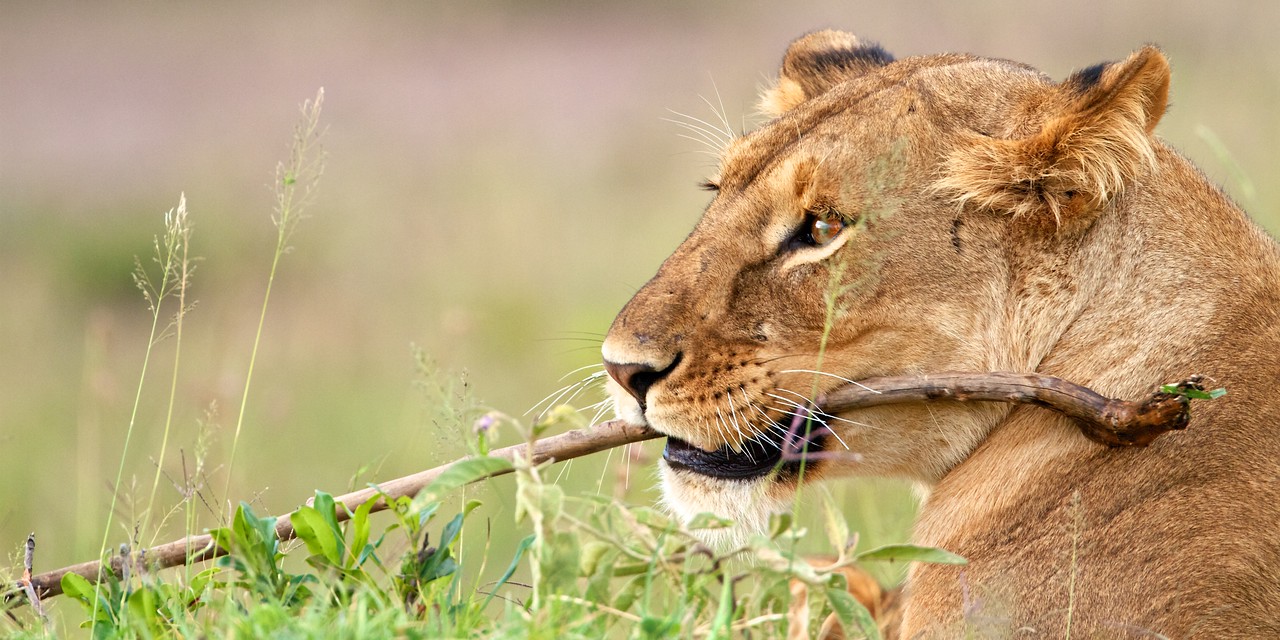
<point x="637" y="378"/>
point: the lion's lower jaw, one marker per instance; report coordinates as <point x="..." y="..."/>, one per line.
<point x="748" y="503"/>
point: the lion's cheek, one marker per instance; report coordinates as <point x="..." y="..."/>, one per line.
<point x="748" y="503"/>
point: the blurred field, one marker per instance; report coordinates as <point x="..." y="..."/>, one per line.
<point x="500" y="181"/>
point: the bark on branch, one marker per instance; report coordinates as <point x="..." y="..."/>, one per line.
<point x="1115" y="423"/>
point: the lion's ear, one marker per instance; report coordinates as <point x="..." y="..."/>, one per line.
<point x="817" y="62"/>
<point x="1095" y="141"/>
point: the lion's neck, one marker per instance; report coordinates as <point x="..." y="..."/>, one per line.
<point x="1150" y="295"/>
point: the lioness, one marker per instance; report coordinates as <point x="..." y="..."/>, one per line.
<point x="959" y="213"/>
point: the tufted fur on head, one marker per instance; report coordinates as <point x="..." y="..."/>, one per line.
<point x="1083" y="156"/>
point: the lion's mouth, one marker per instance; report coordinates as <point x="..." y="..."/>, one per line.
<point x="768" y="453"/>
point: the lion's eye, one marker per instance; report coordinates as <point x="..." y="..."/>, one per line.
<point x="824" y="230"/>
<point x="820" y="228"/>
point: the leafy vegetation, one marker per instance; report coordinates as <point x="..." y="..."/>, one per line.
<point x="581" y="566"/>
<point x="598" y="568"/>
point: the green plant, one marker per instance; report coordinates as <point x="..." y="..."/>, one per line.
<point x="295" y="184"/>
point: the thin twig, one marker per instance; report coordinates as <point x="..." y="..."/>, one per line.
<point x="1115" y="423"/>
<point x="28" y="561"/>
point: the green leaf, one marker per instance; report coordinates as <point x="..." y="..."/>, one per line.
<point x="328" y="510"/>
<point x="451" y="530"/>
<point x="253" y="534"/>
<point x="253" y="548"/>
<point x="462" y="473"/>
<point x="651" y="627"/>
<point x="631" y="591"/>
<point x="837" y="528"/>
<point x="310" y="526"/>
<point x="425" y="514"/>
<point x="78" y="587"/>
<point x="721" y="624"/>
<point x="623" y="569"/>
<point x="592" y="552"/>
<point x="600" y="577"/>
<point x="779" y="523"/>
<point x="1192" y="393"/>
<point x="142" y="606"/>
<point x="360" y="536"/>
<point x="709" y="521"/>
<point x="910" y="553"/>
<point x="221" y="538"/>
<point x="560" y="559"/>
<point x="851" y="613"/>
<point x="511" y="569"/>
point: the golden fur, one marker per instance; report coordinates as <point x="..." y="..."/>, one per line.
<point x="996" y="220"/>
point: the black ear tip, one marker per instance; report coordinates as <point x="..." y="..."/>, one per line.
<point x="1089" y="77"/>
<point x="833" y="50"/>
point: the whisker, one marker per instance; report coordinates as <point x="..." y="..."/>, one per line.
<point x="769" y="426"/>
<point x="704" y="126"/>
<point x="705" y="152"/>
<point x="563" y="470"/>
<point x="777" y="358"/>
<point x="694" y="122"/>
<point x="626" y="468"/>
<point x="755" y="430"/>
<point x="713" y="153"/>
<point x="832" y="375"/>
<point x="804" y="399"/>
<point x="733" y="413"/>
<point x="836" y="435"/>
<point x="829" y="415"/>
<point x="598" y="334"/>
<point x="721" y="428"/>
<point x="701" y="134"/>
<point x="801" y="412"/>
<point x="604" y="471"/>
<point x="726" y="136"/>
<point x="549" y="396"/>
<point x="712" y="148"/>
<point x="590" y="366"/>
<point x="724" y="115"/>
<point x="574" y="389"/>
<point x="701" y="138"/>
<point x="603" y="409"/>
<point x="582" y="386"/>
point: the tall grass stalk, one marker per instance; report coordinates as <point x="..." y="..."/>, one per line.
<point x="181" y="227"/>
<point x="166" y="255"/>
<point x="295" y="184"/>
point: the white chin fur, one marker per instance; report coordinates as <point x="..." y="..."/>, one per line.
<point x="749" y="503"/>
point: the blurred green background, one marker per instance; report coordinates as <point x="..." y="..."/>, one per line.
<point x="501" y="179"/>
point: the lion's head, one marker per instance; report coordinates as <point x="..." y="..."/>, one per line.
<point x="894" y="217"/>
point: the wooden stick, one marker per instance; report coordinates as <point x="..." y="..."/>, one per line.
<point x="1111" y="422"/>
<point x="198" y="548"/>
<point x="1115" y="423"/>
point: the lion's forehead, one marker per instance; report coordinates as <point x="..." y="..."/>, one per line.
<point x="753" y="155"/>
<point x="954" y="90"/>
